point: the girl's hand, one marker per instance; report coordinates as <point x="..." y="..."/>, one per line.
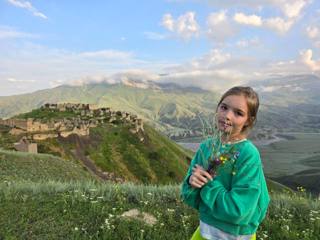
<point x="199" y="177"/>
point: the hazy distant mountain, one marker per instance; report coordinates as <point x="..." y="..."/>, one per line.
<point x="169" y="107"/>
<point x="289" y="90"/>
<point x="291" y="102"/>
<point x="287" y="103"/>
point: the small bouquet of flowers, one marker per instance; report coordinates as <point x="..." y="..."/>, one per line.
<point x="221" y="153"/>
<point x="220" y="160"/>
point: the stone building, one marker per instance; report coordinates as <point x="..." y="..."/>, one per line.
<point x="24" y="145"/>
<point x="88" y="116"/>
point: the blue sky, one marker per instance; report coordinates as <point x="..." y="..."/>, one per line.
<point x="207" y="43"/>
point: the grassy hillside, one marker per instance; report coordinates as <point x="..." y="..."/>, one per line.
<point x="19" y="166"/>
<point x="46" y="114"/>
<point x="113" y="148"/>
<point x="95" y="211"/>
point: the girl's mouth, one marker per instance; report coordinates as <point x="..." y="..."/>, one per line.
<point x="224" y="125"/>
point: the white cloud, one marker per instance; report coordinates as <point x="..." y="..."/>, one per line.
<point x="217" y="18"/>
<point x="220" y="27"/>
<point x="50" y="67"/>
<point x="214" y="58"/>
<point x="206" y="79"/>
<point x="313" y="32"/>
<point x="138" y="75"/>
<point x="291" y="8"/>
<point x="107" y="54"/>
<point x="185" y="26"/>
<point x="279" y="24"/>
<point x="168" y="22"/>
<point x="135" y="75"/>
<point x="218" y="70"/>
<point x="56" y="83"/>
<point x="27" y="5"/>
<point x="306" y="58"/>
<point x="8" y="32"/>
<point x="14" y="80"/>
<point x="248" y="42"/>
<point x="253" y="20"/>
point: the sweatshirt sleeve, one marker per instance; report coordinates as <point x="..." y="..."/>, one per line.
<point x="190" y="195"/>
<point x="238" y="203"/>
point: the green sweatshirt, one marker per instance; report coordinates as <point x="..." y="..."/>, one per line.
<point x="236" y="200"/>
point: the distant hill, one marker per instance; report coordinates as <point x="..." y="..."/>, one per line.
<point x="168" y="107"/>
<point x="290" y="103"/>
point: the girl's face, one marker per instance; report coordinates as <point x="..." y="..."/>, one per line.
<point x="232" y="115"/>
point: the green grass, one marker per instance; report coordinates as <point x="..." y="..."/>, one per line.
<point x="20" y="166"/>
<point x="46" y="114"/>
<point x="156" y="159"/>
<point x="6" y="139"/>
<point x="46" y="197"/>
<point x="88" y="210"/>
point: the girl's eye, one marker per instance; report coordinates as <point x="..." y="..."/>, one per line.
<point x="223" y="107"/>
<point x="239" y="113"/>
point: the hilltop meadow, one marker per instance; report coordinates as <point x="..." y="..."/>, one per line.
<point x="46" y="197"/>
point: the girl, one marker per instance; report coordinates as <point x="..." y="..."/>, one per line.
<point x="225" y="180"/>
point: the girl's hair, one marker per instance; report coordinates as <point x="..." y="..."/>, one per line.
<point x="252" y="102"/>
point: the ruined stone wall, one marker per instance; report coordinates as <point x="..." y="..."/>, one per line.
<point x="68" y="106"/>
<point x="78" y="126"/>
<point x="36" y="126"/>
<point x="33" y="148"/>
<point x="21" y="147"/>
<point x="19" y="123"/>
<point x="25" y="146"/>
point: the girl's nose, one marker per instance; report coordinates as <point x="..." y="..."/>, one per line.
<point x="228" y="115"/>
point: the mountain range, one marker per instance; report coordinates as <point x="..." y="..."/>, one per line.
<point x="289" y="103"/>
